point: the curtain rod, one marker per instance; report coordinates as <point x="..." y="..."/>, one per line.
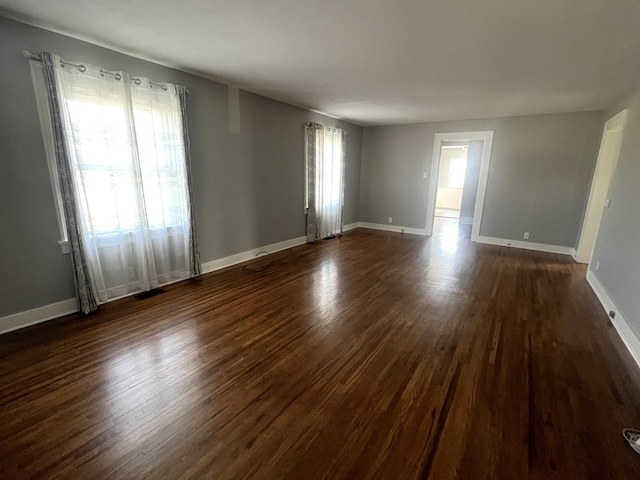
<point x="32" y="56"/>
<point x="319" y="125"/>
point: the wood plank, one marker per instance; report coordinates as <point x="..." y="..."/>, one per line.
<point x="374" y="355"/>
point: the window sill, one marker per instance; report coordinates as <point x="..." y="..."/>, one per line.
<point x="65" y="246"/>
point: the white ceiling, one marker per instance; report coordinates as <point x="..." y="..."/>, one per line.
<point x="378" y="61"/>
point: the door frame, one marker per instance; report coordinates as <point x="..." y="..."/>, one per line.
<point x="487" y="138"/>
<point x="596" y="202"/>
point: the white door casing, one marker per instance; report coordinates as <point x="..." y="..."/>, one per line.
<point x="605" y="166"/>
<point x="487" y="138"/>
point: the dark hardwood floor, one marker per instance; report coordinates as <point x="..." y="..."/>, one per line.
<point x="373" y="355"/>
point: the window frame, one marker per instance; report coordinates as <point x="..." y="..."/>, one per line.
<point x="42" y="104"/>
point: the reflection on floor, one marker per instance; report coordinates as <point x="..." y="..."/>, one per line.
<point x="447" y="233"/>
<point x="447" y="213"/>
<point x="374" y="355"/>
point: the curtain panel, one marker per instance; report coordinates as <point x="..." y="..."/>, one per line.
<point x="122" y="152"/>
<point x="82" y="279"/>
<point x="195" y="266"/>
<point x="325" y="163"/>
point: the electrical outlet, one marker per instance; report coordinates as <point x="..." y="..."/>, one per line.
<point x="526" y="235"/>
<point x="424" y="175"/>
<point x="597" y="265"/>
<point x="390" y="220"/>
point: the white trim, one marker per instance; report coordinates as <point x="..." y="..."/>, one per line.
<point x="581" y="258"/>
<point x="539" y="247"/>
<point x="350" y="226"/>
<point x="225" y="262"/>
<point x="42" y="103"/>
<point x="37" y="315"/>
<point x="466" y="220"/>
<point x="628" y="336"/>
<point x="392" y="228"/>
<point x="432" y="194"/>
<point x="618" y="121"/>
<point x="65" y="246"/>
<point x="605" y="166"/>
<point x="48" y="312"/>
<point x="487" y="138"/>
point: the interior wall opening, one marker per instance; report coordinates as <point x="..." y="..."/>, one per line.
<point x="459" y="172"/>
<point x="453" y="166"/>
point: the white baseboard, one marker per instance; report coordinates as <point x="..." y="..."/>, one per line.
<point x="225" y="262"/>
<point x="466" y="220"/>
<point x="539" y="247"/>
<point x="55" y="310"/>
<point x="580" y="258"/>
<point x="350" y="226"/>
<point x="48" y="312"/>
<point x="628" y="336"/>
<point x="392" y="228"/>
<point x="37" y="315"/>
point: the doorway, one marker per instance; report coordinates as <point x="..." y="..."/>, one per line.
<point x="598" y="196"/>
<point x="459" y="172"/>
<point x="453" y="167"/>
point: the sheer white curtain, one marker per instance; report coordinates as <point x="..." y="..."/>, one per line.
<point x="127" y="157"/>
<point x="325" y="177"/>
<point x="329" y="182"/>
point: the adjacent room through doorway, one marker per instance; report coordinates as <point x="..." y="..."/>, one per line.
<point x="459" y="171"/>
<point x="453" y="165"/>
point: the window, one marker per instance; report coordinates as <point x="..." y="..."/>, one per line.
<point x="128" y="175"/>
<point x="457" y="169"/>
<point x="109" y="177"/>
<point x="325" y="181"/>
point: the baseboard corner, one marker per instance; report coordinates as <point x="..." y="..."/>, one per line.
<point x="350" y="226"/>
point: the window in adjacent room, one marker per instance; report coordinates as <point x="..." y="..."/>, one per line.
<point x="457" y="169"/>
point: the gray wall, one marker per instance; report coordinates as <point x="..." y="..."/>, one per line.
<point x="471" y="177"/>
<point x="248" y="186"/>
<point x="618" y="245"/>
<point x="539" y="178"/>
